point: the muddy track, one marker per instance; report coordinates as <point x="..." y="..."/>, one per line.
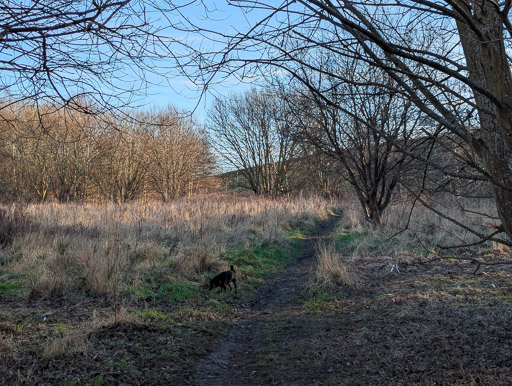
<point x="233" y="359"/>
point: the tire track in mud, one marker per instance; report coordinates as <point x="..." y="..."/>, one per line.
<point x="233" y="359"/>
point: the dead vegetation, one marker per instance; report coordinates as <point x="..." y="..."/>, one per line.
<point x="96" y="248"/>
<point x="105" y="294"/>
<point x="332" y="268"/>
<point x="412" y="319"/>
<point x="377" y="309"/>
<point x="428" y="324"/>
<point x="416" y="230"/>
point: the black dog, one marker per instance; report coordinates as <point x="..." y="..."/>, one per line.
<point x="224" y="279"/>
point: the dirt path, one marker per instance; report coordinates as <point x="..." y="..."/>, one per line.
<point x="239" y="358"/>
<point x="429" y="324"/>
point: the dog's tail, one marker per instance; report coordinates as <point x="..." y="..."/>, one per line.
<point x="233" y="269"/>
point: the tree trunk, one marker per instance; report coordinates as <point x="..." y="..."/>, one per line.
<point x="372" y="211"/>
<point x="487" y="64"/>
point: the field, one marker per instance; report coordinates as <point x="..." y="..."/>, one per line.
<point x="99" y="294"/>
<point x="117" y="294"/>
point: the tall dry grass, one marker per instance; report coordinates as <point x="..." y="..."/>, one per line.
<point x="98" y="248"/>
<point x="408" y="227"/>
<point x="407" y="232"/>
<point x="332" y="269"/>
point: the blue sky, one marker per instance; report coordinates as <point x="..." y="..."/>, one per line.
<point x="81" y="64"/>
<point x="179" y="91"/>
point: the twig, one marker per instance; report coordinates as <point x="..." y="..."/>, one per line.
<point x="481" y="241"/>
<point x="470" y="259"/>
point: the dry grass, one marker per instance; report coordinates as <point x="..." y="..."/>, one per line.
<point x="97" y="248"/>
<point x="332" y="269"/>
<point x="408" y="235"/>
<point x="69" y="342"/>
<point x="421" y="229"/>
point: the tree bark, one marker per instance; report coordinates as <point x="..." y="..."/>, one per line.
<point x="487" y="64"/>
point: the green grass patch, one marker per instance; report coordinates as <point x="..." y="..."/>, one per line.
<point x="299" y="233"/>
<point x="168" y="292"/>
<point x="348" y="240"/>
<point x="177" y="291"/>
<point x="255" y="265"/>
<point x="367" y="243"/>
<point x="264" y="261"/>
<point x="141" y="291"/>
<point x="10" y="288"/>
<point x="11" y="284"/>
<point x="319" y="301"/>
<point x="155" y="314"/>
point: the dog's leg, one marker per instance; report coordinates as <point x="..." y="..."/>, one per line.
<point x="234" y="282"/>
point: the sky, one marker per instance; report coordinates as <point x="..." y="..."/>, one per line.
<point x="181" y="92"/>
<point x="108" y="65"/>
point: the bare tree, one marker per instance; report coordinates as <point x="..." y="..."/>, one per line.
<point x="358" y="127"/>
<point x="316" y="172"/>
<point x="83" y="54"/>
<point x="70" y="155"/>
<point x="25" y="167"/>
<point x="121" y="169"/>
<point x="179" y="151"/>
<point x="39" y="163"/>
<point x="252" y="134"/>
<point x="448" y="57"/>
<point x="71" y="151"/>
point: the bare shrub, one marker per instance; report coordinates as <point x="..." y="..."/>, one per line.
<point x="8" y="346"/>
<point x="100" y="319"/>
<point x="194" y="260"/>
<point x="332" y="269"/>
<point x="52" y="279"/>
<point x="99" y="269"/>
<point x="352" y="218"/>
<point x="419" y="230"/>
<point x="500" y="249"/>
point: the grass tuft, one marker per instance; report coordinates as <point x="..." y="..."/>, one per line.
<point x="332" y="269"/>
<point x="68" y="342"/>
